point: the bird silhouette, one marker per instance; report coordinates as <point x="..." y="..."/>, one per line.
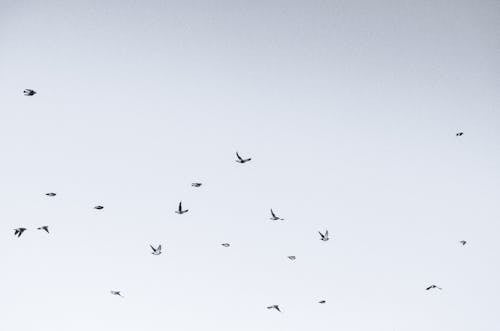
<point x="181" y="211"/>
<point x="226" y="244"/>
<point x="116" y="293"/>
<point x="322" y="301"/>
<point x="50" y="194"/>
<point x="463" y="242"/>
<point x="19" y="231"/>
<point x="28" y="92"/>
<point x="459" y="134"/>
<point x="292" y="257"/>
<point x="274" y="217"/>
<point x="196" y="184"/>
<point x="98" y="207"/>
<point x="45" y="228"/>
<point x="156" y="251"/>
<point x="324" y="237"/>
<point x="432" y="287"/>
<point x="274" y="307"/>
<point x="242" y="160"/>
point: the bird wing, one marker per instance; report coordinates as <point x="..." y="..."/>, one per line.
<point x="46" y="228"/>
<point x="326" y="233"/>
<point x="154" y="249"/>
<point x="238" y="156"/>
<point x="322" y="236"/>
<point x="180" y="206"/>
<point x="272" y="213"/>
<point x="278" y="309"/>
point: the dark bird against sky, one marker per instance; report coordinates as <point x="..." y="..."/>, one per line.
<point x="50" y="194"/>
<point x="274" y="217"/>
<point x="156" y="251"/>
<point x="181" y="211"/>
<point x="28" y="92"/>
<point x="45" y="228"/>
<point x="324" y="237"/>
<point x="274" y="307"/>
<point x="242" y="160"/>
<point x="432" y="287"/>
<point x="98" y="207"/>
<point x="19" y="231"/>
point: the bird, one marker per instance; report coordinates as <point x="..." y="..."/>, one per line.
<point x="226" y="244"/>
<point x="292" y="257"/>
<point x="274" y="307"/>
<point x="324" y="237"/>
<point x="458" y="134"/>
<point x="241" y="160"/>
<point x="98" y="207"/>
<point x="274" y="217"/>
<point x="117" y="293"/>
<point x="181" y="211"/>
<point x="156" y="251"/>
<point x="28" y="92"/>
<point x="19" y="231"/>
<point x="50" y="194"/>
<point x="463" y="242"/>
<point x="196" y="184"/>
<point x="45" y="228"/>
<point x="433" y="286"/>
<point x="322" y="301"/>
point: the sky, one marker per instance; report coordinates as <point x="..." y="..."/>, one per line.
<point x="349" y="111"/>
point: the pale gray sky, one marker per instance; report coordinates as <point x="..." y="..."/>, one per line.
<point x="349" y="110"/>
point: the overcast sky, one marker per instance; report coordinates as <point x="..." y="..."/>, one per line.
<point x="349" y="111"/>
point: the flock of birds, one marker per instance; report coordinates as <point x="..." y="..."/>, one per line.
<point x="180" y="210"/>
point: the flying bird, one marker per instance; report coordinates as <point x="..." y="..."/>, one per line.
<point x="28" y="92"/>
<point x="117" y="293"/>
<point x="45" y="228"/>
<point x="432" y="287"/>
<point x="322" y="301"/>
<point x="274" y="217"/>
<point x="459" y="134"/>
<point x="226" y="244"/>
<point x="181" y="211"/>
<point x="274" y="307"/>
<point x="241" y="160"/>
<point x="292" y="257"/>
<point x="19" y="231"/>
<point x="156" y="251"/>
<point x="324" y="237"/>
<point x="463" y="242"/>
<point x="196" y="184"/>
<point x="50" y="194"/>
<point x="98" y="207"/>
